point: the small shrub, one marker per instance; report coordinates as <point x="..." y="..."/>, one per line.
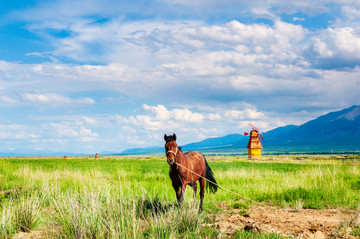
<point x="299" y="205"/>
<point x="349" y="226"/>
<point x="239" y="205"/>
<point x="356" y="231"/>
<point x="26" y="213"/>
<point x="189" y="220"/>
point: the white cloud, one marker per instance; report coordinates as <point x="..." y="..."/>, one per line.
<point x="18" y="132"/>
<point x="55" y="99"/>
<point x="70" y="130"/>
<point x="23" y="135"/>
<point x="187" y="116"/>
<point x="147" y="122"/>
<point x="350" y="12"/>
<point x="298" y="19"/>
<point x="340" y="44"/>
<point x="189" y="125"/>
<point x="201" y="79"/>
<point x="5" y="65"/>
<point x="247" y="114"/>
<point x="160" y="111"/>
<point x="89" y="120"/>
<point x="214" y="116"/>
<point x="164" y="114"/>
<point x="234" y="60"/>
<point x="159" y="120"/>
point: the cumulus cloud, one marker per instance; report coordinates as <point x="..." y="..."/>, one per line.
<point x="89" y="120"/>
<point x="338" y="47"/>
<point x="190" y="125"/>
<point x="234" y="62"/>
<point x="162" y="113"/>
<point x="214" y="116"/>
<point x="203" y="77"/>
<point x="247" y="114"/>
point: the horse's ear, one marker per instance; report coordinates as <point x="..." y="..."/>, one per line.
<point x="174" y="136"/>
<point x="165" y="137"/>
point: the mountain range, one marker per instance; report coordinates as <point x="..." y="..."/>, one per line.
<point x="334" y="132"/>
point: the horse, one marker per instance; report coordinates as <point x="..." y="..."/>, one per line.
<point x="180" y="174"/>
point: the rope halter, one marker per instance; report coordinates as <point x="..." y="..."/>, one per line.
<point x="170" y="151"/>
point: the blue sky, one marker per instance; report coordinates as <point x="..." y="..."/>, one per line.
<point x="103" y="75"/>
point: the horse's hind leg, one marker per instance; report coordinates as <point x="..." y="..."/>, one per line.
<point x="194" y="186"/>
<point x="202" y="190"/>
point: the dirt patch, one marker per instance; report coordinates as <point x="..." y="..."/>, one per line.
<point x="305" y="223"/>
<point x="30" y="235"/>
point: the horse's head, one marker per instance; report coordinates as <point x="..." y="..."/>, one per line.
<point x="171" y="148"/>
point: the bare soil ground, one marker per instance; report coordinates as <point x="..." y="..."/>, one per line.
<point x="304" y="223"/>
<point x="30" y="235"/>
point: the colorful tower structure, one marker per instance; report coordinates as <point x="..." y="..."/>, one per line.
<point x="254" y="145"/>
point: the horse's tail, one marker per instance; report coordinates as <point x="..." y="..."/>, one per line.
<point x="212" y="187"/>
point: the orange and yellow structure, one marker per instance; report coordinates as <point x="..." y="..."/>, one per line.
<point x="254" y="145"/>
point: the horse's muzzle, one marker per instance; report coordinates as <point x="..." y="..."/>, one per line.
<point x="171" y="161"/>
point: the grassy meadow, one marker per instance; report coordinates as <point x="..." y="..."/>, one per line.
<point x="132" y="197"/>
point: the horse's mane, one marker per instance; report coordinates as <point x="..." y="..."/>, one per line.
<point x="170" y="138"/>
<point x="180" y="148"/>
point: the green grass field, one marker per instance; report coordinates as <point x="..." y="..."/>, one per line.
<point x="132" y="197"/>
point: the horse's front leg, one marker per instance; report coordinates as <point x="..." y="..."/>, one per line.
<point x="180" y="194"/>
<point x="183" y="187"/>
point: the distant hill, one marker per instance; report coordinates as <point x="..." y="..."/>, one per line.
<point x="334" y="132"/>
<point x="151" y="149"/>
<point x="217" y="142"/>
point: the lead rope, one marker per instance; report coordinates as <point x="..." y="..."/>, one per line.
<point x="262" y="204"/>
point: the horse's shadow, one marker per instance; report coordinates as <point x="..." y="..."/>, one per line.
<point x="146" y="206"/>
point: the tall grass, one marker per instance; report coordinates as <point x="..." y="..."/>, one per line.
<point x="6" y="224"/>
<point x="291" y="184"/>
<point x="131" y="198"/>
<point x="19" y="215"/>
<point x="98" y="214"/>
<point x="27" y="213"/>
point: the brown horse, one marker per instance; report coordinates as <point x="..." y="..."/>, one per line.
<point x="181" y="177"/>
